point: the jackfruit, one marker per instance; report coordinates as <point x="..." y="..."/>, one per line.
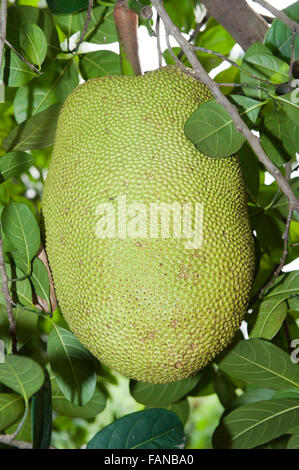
<point x="145" y="298"/>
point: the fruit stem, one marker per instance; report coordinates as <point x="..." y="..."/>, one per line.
<point x="126" y="21"/>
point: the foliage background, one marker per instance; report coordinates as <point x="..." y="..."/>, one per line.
<point x="258" y="371"/>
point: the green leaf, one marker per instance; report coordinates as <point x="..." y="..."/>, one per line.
<point x="261" y="363"/>
<point x="154" y="428"/>
<point x="14" y="72"/>
<point x="101" y="28"/>
<point x="162" y="394"/>
<point x="13" y="164"/>
<point x="254" y="424"/>
<point x="22" y="375"/>
<point x="269" y="66"/>
<point x="294" y="439"/>
<point x="284" y="286"/>
<point x="21" y="229"/>
<point x="72" y="366"/>
<point x="215" y="38"/>
<point x="250" y="167"/>
<point x="11" y="408"/>
<point x="41" y="415"/>
<point x="99" y="63"/>
<point x="19" y="15"/>
<point x="279" y="36"/>
<point x="93" y="407"/>
<point x="224" y="388"/>
<point x="58" y="80"/>
<point x="40" y="280"/>
<point x="37" y="132"/>
<point x="58" y="7"/>
<point x="290" y="105"/>
<point x="268" y="318"/>
<point x="33" y="43"/>
<point x="211" y="130"/>
<point x="248" y="107"/>
<point x="251" y="90"/>
<point x="182" y="13"/>
<point x="276" y="137"/>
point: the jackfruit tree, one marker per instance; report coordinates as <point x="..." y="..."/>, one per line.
<point x="149" y="225"/>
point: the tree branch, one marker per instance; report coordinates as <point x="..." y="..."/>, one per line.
<point x="126" y="21"/>
<point x="239" y="19"/>
<point x="280" y="15"/>
<point x="240" y="125"/>
<point x="6" y="439"/>
<point x="87" y="21"/>
<point x="31" y="66"/>
<point x="8" y="301"/>
<point x="3" y="19"/>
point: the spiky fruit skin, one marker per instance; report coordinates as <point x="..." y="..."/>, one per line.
<point x="149" y="308"/>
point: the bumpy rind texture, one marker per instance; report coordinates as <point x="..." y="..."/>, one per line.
<point x="150" y="308"/>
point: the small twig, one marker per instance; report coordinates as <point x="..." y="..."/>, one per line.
<point x="31" y="66"/>
<point x="159" y="50"/>
<point x="280" y="15"/>
<point x="292" y="55"/>
<point x="87" y="21"/>
<point x="194" y="33"/>
<point x="3" y="19"/>
<point x="234" y="64"/>
<point x="8" y="301"/>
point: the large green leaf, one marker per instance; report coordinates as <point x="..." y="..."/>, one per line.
<point x="72" y="366"/>
<point x="13" y="164"/>
<point x="58" y="80"/>
<point x="279" y="36"/>
<point x="37" y="132"/>
<point x="285" y="286"/>
<point x="11" y="408"/>
<point x="99" y="63"/>
<point x="21" y="229"/>
<point x="211" y="129"/>
<point x="33" y="43"/>
<point x="278" y="137"/>
<point x="267" y="318"/>
<point x="256" y="423"/>
<point x="261" y="363"/>
<point x="22" y="375"/>
<point x="101" y="28"/>
<point x="14" y="72"/>
<point x="162" y="394"/>
<point x="154" y="428"/>
<point x="254" y="86"/>
<point x="20" y="15"/>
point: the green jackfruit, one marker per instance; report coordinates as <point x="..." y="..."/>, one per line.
<point x="145" y="298"/>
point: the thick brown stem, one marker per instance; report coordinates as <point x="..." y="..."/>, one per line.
<point x="241" y="21"/>
<point x="126" y="21"/>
